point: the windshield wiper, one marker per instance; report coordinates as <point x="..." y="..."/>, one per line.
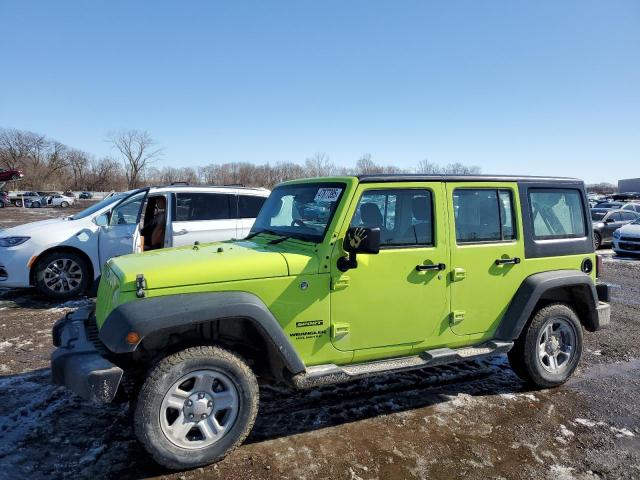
<point x="258" y="232"/>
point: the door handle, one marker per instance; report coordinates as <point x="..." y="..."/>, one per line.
<point x="181" y="232"/>
<point x="434" y="266"/>
<point x="508" y="261"/>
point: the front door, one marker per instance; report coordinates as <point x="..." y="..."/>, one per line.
<point x="120" y="235"/>
<point x="398" y="296"/>
<point x="486" y="258"/>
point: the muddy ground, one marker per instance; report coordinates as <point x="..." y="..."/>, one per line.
<point x="475" y="420"/>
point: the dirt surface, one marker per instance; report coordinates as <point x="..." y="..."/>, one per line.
<point x="475" y="419"/>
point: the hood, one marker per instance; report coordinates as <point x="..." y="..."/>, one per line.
<point x="209" y="263"/>
<point x="34" y="228"/>
<point x="630" y="230"/>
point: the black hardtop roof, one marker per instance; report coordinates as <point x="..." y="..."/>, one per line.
<point x="419" y="177"/>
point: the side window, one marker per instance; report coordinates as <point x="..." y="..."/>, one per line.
<point x="557" y="213"/>
<point x="249" y="206"/>
<point x="192" y="207"/>
<point x="127" y="213"/>
<point x="483" y="215"/>
<point x="628" y="216"/>
<point x="404" y="216"/>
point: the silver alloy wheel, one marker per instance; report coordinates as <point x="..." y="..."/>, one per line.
<point x="556" y="344"/>
<point x="63" y="275"/>
<point x="199" y="409"/>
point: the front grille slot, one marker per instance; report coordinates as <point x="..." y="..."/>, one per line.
<point x="92" y="335"/>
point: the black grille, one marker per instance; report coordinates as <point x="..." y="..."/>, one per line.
<point x="630" y="246"/>
<point x="630" y="239"/>
<point x="92" y="335"/>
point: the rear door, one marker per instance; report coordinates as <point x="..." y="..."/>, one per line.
<point x="248" y="208"/>
<point x="485" y="253"/>
<point x="203" y="217"/>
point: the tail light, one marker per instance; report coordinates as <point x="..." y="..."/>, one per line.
<point x="598" y="265"/>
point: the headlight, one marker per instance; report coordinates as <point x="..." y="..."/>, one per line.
<point x="616" y="234"/>
<point x="600" y="224"/>
<point x="12" y="241"/>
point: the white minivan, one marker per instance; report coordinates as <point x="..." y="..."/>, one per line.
<point x="63" y="257"/>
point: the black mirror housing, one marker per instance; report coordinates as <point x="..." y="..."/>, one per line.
<point x="359" y="240"/>
<point x="362" y="240"/>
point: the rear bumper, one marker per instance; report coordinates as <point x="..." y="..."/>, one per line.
<point x="78" y="365"/>
<point x="603" y="308"/>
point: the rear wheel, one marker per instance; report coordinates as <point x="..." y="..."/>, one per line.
<point x="597" y="240"/>
<point x="35" y="204"/>
<point x="18" y="203"/>
<point x="62" y="275"/>
<point x="549" y="349"/>
<point x="64" y="204"/>
<point x="15" y="176"/>
<point x="195" y="407"/>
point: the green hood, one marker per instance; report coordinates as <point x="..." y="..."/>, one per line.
<point x="213" y="262"/>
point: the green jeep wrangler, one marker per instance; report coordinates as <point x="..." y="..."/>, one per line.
<point x="340" y="278"/>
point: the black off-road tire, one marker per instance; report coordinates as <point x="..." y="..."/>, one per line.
<point x="597" y="240"/>
<point x="45" y="260"/>
<point x="160" y="379"/>
<point x="524" y="357"/>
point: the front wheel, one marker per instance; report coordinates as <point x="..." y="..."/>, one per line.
<point x="548" y="351"/>
<point x="196" y="406"/>
<point x="62" y="275"/>
<point x="64" y="204"/>
<point x="35" y="205"/>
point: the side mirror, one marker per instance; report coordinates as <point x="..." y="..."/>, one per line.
<point x="359" y="240"/>
<point x="102" y="220"/>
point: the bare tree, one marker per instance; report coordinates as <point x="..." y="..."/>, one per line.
<point x="138" y="151"/>
<point x="319" y="165"/>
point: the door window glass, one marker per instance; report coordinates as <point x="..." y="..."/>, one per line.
<point x="404" y="216"/>
<point x="127" y="213"/>
<point x="192" y="206"/>
<point x="628" y="216"/>
<point x="483" y="215"/>
<point x="249" y="205"/>
<point x="557" y="213"/>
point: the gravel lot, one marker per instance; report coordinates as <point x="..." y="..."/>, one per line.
<point x="475" y="420"/>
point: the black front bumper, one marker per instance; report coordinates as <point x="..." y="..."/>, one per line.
<point x="78" y="364"/>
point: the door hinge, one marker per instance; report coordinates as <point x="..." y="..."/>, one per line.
<point x="340" y="282"/>
<point x="458" y="274"/>
<point x="457" y="316"/>
<point x="339" y="330"/>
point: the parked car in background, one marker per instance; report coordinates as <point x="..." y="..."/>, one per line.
<point x="8" y="175"/>
<point x="85" y="195"/>
<point x="626" y="239"/>
<point x="36" y="201"/>
<point x="18" y="198"/>
<point x="605" y="222"/>
<point x="634" y="207"/>
<point x="609" y="204"/>
<point x="58" y="200"/>
<point x="63" y="257"/>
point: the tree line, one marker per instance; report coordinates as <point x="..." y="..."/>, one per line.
<point x="50" y="165"/>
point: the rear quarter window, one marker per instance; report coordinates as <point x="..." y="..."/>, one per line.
<point x="557" y="213"/>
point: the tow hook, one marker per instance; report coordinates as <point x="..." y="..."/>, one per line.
<point x="141" y="284"/>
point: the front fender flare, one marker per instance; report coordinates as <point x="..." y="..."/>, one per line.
<point x="152" y="315"/>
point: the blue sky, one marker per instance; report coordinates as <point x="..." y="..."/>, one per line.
<point x="550" y="87"/>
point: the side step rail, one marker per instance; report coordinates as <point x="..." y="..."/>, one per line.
<point x="329" y="374"/>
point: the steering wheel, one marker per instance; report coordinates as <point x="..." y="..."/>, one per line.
<point x="298" y="221"/>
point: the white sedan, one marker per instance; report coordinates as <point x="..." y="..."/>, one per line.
<point x="60" y="201"/>
<point x="63" y="257"/>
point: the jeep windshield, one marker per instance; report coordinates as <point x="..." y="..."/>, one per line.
<point x="301" y="211"/>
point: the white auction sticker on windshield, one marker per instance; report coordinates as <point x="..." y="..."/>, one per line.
<point x="327" y="194"/>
